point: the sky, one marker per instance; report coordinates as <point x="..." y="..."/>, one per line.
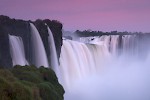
<point x="102" y="15"/>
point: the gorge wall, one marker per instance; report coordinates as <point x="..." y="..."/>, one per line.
<point x="22" y="29"/>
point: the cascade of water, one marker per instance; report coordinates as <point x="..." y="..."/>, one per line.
<point x="53" y="54"/>
<point x="86" y="76"/>
<point x="130" y="45"/>
<point x="79" y="59"/>
<point x="114" y="44"/>
<point x="39" y="57"/>
<point x="111" y="42"/>
<point x="17" y="50"/>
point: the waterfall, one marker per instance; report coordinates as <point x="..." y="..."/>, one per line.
<point x="17" y="50"/>
<point x="93" y="70"/>
<point x="39" y="57"/>
<point x="79" y="59"/>
<point x="53" y="54"/>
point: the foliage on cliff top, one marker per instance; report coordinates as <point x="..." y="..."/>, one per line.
<point x="29" y="83"/>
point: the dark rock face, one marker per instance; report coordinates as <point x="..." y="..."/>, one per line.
<point x="22" y="28"/>
<point x="5" y="58"/>
<point x="17" y="28"/>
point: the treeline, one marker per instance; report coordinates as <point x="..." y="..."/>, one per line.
<point x="87" y="33"/>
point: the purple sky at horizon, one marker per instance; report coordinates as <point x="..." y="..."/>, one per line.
<point x="102" y="15"/>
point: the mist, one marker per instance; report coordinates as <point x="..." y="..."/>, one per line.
<point x="122" y="77"/>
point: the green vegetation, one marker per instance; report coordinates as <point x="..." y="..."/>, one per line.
<point x="29" y="83"/>
<point x="87" y="33"/>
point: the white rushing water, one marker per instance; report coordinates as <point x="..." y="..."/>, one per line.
<point x="53" y="54"/>
<point x="94" y="71"/>
<point x="39" y="57"/>
<point x="17" y="50"/>
<point x="79" y="59"/>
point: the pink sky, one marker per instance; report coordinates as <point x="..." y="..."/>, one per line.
<point x="103" y="15"/>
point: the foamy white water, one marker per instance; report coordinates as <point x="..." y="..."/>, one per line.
<point x="17" y="50"/>
<point x="78" y="60"/>
<point x="93" y="72"/>
<point x="53" y="54"/>
<point x="39" y="57"/>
